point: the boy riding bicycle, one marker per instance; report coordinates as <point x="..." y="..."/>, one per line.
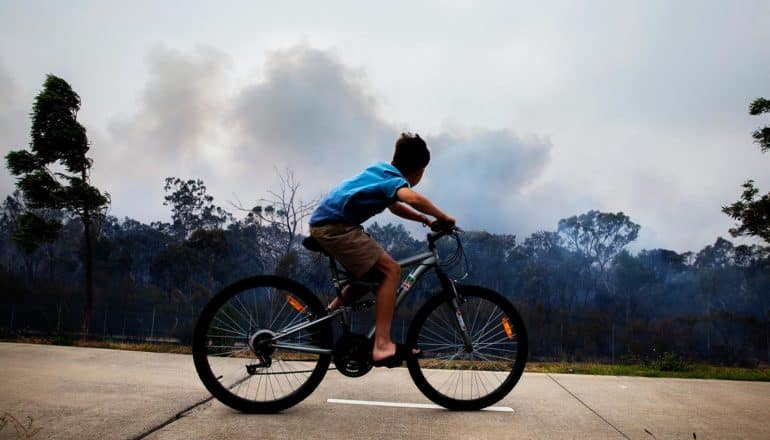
<point x="336" y="226"/>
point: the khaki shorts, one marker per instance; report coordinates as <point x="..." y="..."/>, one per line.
<point x="350" y="245"/>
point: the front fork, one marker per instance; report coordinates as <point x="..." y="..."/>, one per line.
<point x="455" y="301"/>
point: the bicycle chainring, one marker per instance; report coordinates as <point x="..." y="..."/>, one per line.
<point x="353" y="354"/>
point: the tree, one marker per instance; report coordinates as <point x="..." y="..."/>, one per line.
<point x="27" y="231"/>
<point x="488" y="251"/>
<point x="285" y="208"/>
<point x="195" y="261"/>
<point x="281" y="217"/>
<point x="33" y="230"/>
<point x="599" y="236"/>
<point x="630" y="277"/>
<point x="395" y="239"/>
<point x="761" y="135"/>
<point x="58" y="141"/>
<point x="191" y="207"/>
<point x="752" y="213"/>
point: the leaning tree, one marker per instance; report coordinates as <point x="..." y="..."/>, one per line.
<point x="54" y="174"/>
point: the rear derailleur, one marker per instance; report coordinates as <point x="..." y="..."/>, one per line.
<point x="264" y="362"/>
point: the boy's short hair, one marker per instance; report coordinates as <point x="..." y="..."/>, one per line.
<point x="411" y="153"/>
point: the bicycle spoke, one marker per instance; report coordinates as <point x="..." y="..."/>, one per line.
<point x="449" y="369"/>
<point x="228" y="327"/>
<point x="231" y="358"/>
<point x="489" y="322"/>
<point x="245" y="309"/>
<point x="231" y="352"/>
<point x="240" y="335"/>
<point x="234" y="322"/>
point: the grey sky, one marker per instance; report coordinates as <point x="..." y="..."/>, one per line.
<point x="533" y="112"/>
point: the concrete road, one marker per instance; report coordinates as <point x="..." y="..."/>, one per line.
<point x="87" y="393"/>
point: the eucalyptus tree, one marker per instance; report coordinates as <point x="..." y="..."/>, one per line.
<point x="395" y="239"/>
<point x="191" y="207"/>
<point x="55" y="174"/>
<point x="598" y="236"/>
<point x="752" y="211"/>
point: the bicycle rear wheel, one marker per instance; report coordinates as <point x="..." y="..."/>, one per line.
<point x="233" y="344"/>
<point x="447" y="373"/>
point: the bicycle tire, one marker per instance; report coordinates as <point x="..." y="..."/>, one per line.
<point x="223" y="388"/>
<point x="435" y="364"/>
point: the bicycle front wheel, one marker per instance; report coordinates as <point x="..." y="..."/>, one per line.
<point x="451" y="375"/>
<point x="240" y="356"/>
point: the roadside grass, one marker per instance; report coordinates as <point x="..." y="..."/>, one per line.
<point x="694" y="371"/>
<point x="644" y="369"/>
<point x="154" y="347"/>
<point x="134" y="346"/>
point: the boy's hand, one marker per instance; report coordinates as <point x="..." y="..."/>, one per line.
<point x="446" y="223"/>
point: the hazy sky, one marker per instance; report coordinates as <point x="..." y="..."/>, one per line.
<point x="534" y="111"/>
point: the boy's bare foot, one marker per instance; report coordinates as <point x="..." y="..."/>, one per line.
<point x="380" y="352"/>
<point x="386" y="350"/>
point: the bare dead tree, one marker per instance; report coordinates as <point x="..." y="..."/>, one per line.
<point x="290" y="210"/>
<point x="284" y="212"/>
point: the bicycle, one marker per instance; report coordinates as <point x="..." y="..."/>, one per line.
<point x="263" y="344"/>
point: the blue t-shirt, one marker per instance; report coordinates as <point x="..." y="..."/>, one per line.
<point x="359" y="198"/>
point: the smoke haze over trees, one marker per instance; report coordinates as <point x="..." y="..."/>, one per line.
<point x="582" y="294"/>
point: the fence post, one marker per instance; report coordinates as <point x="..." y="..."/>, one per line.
<point x="152" y="328"/>
<point x="613" y="342"/>
<point x="58" y="318"/>
<point x="11" y="326"/>
<point x="104" y="324"/>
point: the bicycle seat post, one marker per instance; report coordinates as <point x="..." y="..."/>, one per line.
<point x="335" y="277"/>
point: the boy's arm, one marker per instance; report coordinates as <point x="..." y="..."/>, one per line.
<point x="408" y="213"/>
<point x="422" y="204"/>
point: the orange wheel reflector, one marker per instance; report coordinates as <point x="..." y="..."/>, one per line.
<point x="507" y="328"/>
<point x="294" y="303"/>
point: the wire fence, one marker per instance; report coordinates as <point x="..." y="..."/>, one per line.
<point x="155" y="324"/>
<point x="107" y="323"/>
<point x="174" y="324"/>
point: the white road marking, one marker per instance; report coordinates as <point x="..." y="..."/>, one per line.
<point x="409" y="405"/>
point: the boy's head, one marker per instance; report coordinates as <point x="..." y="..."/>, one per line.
<point x="411" y="157"/>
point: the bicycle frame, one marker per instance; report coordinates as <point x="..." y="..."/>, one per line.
<point x="423" y="261"/>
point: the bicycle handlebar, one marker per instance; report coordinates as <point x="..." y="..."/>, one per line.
<point x="441" y="229"/>
<point x="443" y="226"/>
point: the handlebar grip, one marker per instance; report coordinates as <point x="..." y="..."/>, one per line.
<point x="442" y="226"/>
